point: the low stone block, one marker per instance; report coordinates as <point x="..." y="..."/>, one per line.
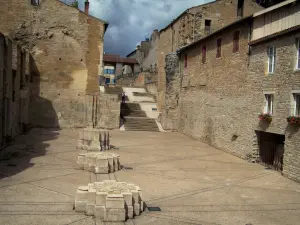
<point x="90" y="207"/>
<point x="130" y="212"/>
<point x="101" y="198"/>
<point x="99" y="211"/>
<point x="82" y="193"/>
<point x="137" y="209"/>
<point x="80" y="206"/>
<point x="114" y="215"/>
<point x="128" y="198"/>
<point x="101" y="170"/>
<point x="109" y="200"/>
<point x="115" y="201"/>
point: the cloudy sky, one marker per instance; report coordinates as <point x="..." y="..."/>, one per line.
<point x="130" y="21"/>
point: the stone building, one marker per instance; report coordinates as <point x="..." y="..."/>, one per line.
<point x="274" y="80"/>
<point x="224" y="88"/>
<point x="15" y="74"/>
<point x="205" y="93"/>
<point x="67" y="47"/>
<point x="117" y="68"/>
<point x="193" y="24"/>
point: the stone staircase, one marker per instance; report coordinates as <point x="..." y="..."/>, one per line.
<point x="115" y="90"/>
<point x="135" y="119"/>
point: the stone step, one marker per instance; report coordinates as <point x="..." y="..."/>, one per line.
<point x="133" y="113"/>
<point x="130" y="106"/>
<point x="140" y="124"/>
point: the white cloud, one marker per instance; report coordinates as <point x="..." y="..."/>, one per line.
<point x="130" y="21"/>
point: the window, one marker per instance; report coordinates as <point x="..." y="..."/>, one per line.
<point x="296" y="104"/>
<point x="298" y="53"/>
<point x="268" y="104"/>
<point x="35" y="2"/>
<point x="271" y="59"/>
<point x="203" y="54"/>
<point x="219" y="44"/>
<point x="236" y="39"/>
<point x="207" y="24"/>
<point x="240" y="8"/>
<point x="185" y="61"/>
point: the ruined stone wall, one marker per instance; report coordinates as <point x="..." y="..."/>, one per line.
<point x="67" y="47"/>
<point x="282" y="83"/>
<point x="164" y="47"/>
<point x="214" y="100"/>
<point x="190" y="27"/>
<point x="169" y="116"/>
<point x="108" y="111"/>
<point x="15" y="74"/>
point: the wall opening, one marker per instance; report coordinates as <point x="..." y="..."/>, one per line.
<point x="270" y="149"/>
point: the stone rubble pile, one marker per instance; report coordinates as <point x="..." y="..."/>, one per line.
<point x="91" y="139"/>
<point x="109" y="200"/>
<point x="99" y="162"/>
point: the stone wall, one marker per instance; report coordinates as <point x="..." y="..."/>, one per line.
<point x="15" y="75"/>
<point x="108" y="111"/>
<point x="190" y="26"/>
<point x="169" y="116"/>
<point x="67" y="48"/>
<point x="282" y="83"/>
<point x="213" y="99"/>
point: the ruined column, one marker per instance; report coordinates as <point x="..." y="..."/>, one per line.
<point x="169" y="117"/>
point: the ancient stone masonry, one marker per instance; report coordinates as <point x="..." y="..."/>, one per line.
<point x="99" y="162"/>
<point x="91" y="139"/>
<point x="91" y="144"/>
<point x="169" y="115"/>
<point x="110" y="200"/>
<point x="67" y="47"/>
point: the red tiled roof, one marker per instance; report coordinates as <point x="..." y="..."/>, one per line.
<point x="117" y="58"/>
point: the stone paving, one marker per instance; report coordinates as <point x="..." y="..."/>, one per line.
<point x="191" y="182"/>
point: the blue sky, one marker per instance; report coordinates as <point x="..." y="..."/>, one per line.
<point x="130" y="21"/>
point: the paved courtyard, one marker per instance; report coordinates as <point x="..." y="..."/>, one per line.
<point x="191" y="182"/>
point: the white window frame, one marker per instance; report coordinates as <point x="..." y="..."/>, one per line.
<point x="271" y="59"/>
<point x="298" y="53"/>
<point x="296" y="104"/>
<point x="269" y="103"/>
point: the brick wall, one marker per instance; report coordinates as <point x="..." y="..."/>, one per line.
<point x="67" y="47"/>
<point x="284" y="80"/>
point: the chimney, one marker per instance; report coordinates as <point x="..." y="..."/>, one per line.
<point x="86" y="6"/>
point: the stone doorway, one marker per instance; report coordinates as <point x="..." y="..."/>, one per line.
<point x="270" y="149"/>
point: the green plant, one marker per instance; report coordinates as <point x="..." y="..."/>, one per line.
<point x="293" y="120"/>
<point x="265" y="117"/>
<point x="75" y="4"/>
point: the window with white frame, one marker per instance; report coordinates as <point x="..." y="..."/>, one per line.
<point x="271" y="59"/>
<point x="298" y="53"/>
<point x="296" y="104"/>
<point x="268" y="104"/>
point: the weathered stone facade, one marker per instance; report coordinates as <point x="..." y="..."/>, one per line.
<point x="190" y="27"/>
<point x="67" y="48"/>
<point x="221" y="96"/>
<point x="15" y="75"/>
<point x="213" y="101"/>
<point x="282" y="83"/>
